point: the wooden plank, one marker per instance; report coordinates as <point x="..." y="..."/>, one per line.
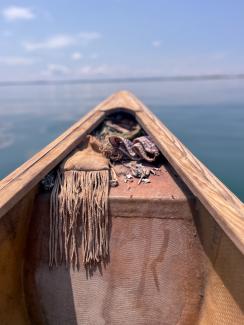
<point x="13" y="234"/>
<point x="166" y="197"/>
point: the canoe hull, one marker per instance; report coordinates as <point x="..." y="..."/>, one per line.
<point x="177" y="257"/>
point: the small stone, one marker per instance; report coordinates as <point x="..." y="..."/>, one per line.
<point x="114" y="183"/>
<point x="146" y="180"/>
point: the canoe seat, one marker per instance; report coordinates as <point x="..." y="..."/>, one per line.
<point x="166" y="196"/>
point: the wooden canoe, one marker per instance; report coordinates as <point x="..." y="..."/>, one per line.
<point x="176" y="245"/>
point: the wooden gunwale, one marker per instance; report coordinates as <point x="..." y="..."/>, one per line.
<point x="221" y="203"/>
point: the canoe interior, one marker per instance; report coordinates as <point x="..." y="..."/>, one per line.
<point x="170" y="263"/>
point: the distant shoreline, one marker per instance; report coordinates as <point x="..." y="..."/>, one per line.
<point x="121" y="80"/>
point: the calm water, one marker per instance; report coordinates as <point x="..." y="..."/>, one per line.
<point x="208" y="116"/>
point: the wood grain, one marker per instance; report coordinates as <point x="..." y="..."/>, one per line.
<point x="222" y="204"/>
<point x="223" y="301"/>
<point x="14" y="228"/>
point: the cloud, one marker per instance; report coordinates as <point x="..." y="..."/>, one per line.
<point x="61" y="41"/>
<point x="76" y="56"/>
<point x="56" y="70"/>
<point x="13" y="13"/>
<point x="86" y="71"/>
<point x="15" y="60"/>
<point x="58" y="41"/>
<point x="156" y="43"/>
<point x="89" y="70"/>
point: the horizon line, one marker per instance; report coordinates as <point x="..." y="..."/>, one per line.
<point x="204" y="77"/>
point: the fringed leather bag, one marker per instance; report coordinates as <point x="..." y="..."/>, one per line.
<point x="79" y="208"/>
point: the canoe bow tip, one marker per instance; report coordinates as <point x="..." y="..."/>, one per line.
<point x="124" y="95"/>
<point x="124" y="92"/>
<point x="121" y="99"/>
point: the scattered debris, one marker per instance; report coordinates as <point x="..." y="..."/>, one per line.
<point x="138" y="170"/>
<point x="154" y="171"/>
<point x="145" y="180"/>
<point x="128" y="178"/>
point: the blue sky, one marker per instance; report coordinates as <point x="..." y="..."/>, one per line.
<point x="119" y="38"/>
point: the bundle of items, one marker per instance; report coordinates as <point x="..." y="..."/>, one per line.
<point x="79" y="198"/>
<point x="126" y="128"/>
<point x="141" y="148"/>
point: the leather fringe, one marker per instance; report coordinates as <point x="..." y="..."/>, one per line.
<point x="79" y="216"/>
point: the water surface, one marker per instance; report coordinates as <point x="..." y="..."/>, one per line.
<point x="207" y="116"/>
